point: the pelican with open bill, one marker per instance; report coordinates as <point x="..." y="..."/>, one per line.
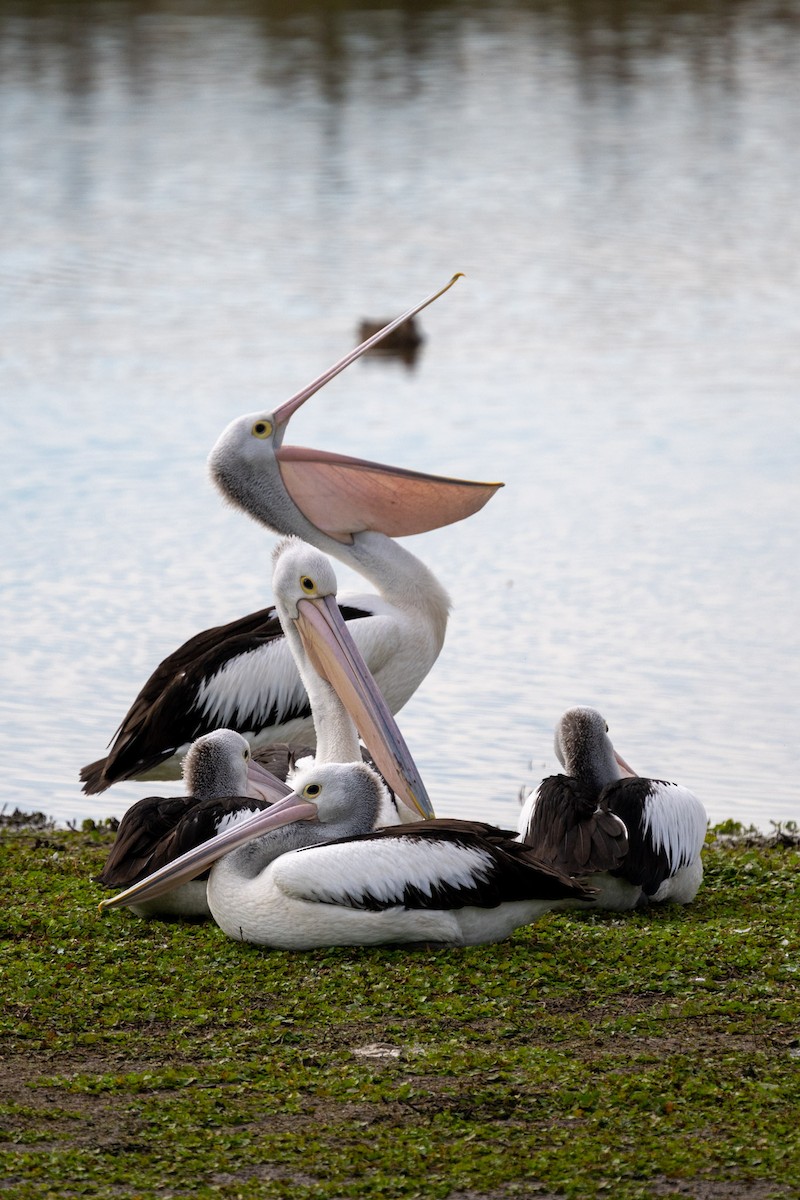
<point x="241" y="675"/>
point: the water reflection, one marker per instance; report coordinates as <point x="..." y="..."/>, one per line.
<point x="329" y="43"/>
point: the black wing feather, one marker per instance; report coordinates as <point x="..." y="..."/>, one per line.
<point x="156" y="830"/>
<point x="571" y="829"/>
<point x="644" y="865"/>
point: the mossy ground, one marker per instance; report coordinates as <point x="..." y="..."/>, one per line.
<point x="650" y="1055"/>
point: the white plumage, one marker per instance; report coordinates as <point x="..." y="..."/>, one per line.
<point x="372" y="874"/>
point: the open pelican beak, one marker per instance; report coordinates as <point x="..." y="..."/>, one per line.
<point x="199" y="858"/>
<point x="338" y="495"/>
<point x="343" y="496"/>
<point x="335" y="656"/>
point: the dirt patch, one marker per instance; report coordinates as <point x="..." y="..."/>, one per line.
<point x="709" y="1189"/>
<point x="783" y="838"/>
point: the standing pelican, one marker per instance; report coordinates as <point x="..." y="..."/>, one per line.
<point x="292" y="888"/>
<point x="155" y="830"/>
<point x="241" y="675"/>
<point x="345" y="699"/>
<point x="636" y="839"/>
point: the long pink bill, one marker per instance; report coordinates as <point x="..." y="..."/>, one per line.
<point x="335" y="656"/>
<point x="623" y="766"/>
<point x="263" y="785"/>
<point x="282" y="414"/>
<point x="199" y="858"/>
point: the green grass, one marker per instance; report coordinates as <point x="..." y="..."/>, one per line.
<point x="648" y="1055"/>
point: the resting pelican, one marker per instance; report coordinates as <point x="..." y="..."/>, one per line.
<point x="241" y="675"/>
<point x="292" y="888"/>
<point x="155" y="830"/>
<point x="637" y="840"/>
<point x="158" y="829"/>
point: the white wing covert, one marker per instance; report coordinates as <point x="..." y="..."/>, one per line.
<point x="378" y="873"/>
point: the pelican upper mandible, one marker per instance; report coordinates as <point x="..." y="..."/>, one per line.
<point x="293" y="888"/>
<point x="241" y="675"/>
<point x="345" y="701"/>
<point x="636" y="840"/>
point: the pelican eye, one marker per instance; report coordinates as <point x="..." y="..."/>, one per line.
<point x="606" y="725"/>
<point x="262" y="429"/>
<point x="312" y="789"/>
<point x="246" y="753"/>
<point x="307" y="584"/>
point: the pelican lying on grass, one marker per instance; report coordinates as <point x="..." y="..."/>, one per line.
<point x="636" y="840"/>
<point x="339" y="684"/>
<point x="158" y="829"/>
<point x="241" y="675"/>
<point x="290" y="887"/>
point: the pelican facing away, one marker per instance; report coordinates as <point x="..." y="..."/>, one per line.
<point x="293" y="888"/>
<point x="241" y="675"/>
<point x="635" y="840"/>
<point x="156" y="830"/>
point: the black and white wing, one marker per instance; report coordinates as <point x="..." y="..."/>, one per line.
<point x="666" y="828"/>
<point x="237" y="676"/>
<point x="432" y="865"/>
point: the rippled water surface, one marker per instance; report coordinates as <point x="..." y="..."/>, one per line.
<point x="200" y="202"/>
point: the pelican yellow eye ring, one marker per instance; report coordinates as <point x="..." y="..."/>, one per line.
<point x="262" y="429"/>
<point x="312" y="789"/>
<point x="307" y="584"/>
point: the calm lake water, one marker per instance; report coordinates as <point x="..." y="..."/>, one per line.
<point x="200" y="202"/>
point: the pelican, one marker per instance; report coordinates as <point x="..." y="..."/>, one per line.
<point x="280" y="881"/>
<point x="155" y="830"/>
<point x="241" y="675"/>
<point x="345" y="699"/>
<point x="158" y="829"/>
<point x="636" y="840"/>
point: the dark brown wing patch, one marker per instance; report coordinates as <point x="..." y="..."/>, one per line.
<point x="567" y="829"/>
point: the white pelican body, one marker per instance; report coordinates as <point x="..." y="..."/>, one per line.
<point x="241" y="675"/>
<point x="393" y="885"/>
<point x="450" y="881"/>
<point x="634" y="840"/>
